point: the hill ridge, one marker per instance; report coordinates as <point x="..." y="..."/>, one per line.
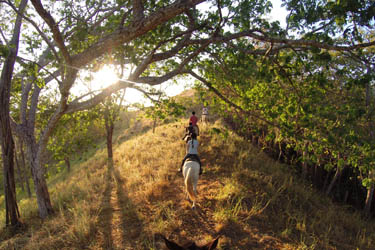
<point x="244" y="196"/>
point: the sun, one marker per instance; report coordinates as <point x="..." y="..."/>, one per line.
<point x="105" y="77"/>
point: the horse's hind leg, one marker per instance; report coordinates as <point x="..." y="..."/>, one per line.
<point x="196" y="194"/>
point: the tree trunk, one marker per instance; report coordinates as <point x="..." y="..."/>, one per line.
<point x="326" y="180"/>
<point x="304" y="162"/>
<point x="67" y="162"/>
<point x="153" y="126"/>
<point x="21" y="177"/>
<point x="318" y="174"/>
<point x="370" y="195"/>
<point x="24" y="168"/>
<point x="12" y="216"/>
<point x="41" y="191"/>
<point x="370" y="191"/>
<point x="109" y="129"/>
<point x="40" y="184"/>
<point x="333" y="181"/>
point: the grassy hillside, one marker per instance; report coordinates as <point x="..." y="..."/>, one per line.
<point x="247" y="198"/>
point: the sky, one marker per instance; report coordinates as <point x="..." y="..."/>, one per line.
<point x="278" y="13"/>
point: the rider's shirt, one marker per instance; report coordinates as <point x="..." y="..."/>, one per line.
<point x="193" y="147"/>
<point x="204" y="111"/>
<point x="193" y="120"/>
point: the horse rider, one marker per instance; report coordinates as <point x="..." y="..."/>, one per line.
<point x="193" y="119"/>
<point x="192" y="152"/>
<point x="188" y="130"/>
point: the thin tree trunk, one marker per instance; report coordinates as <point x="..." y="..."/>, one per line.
<point x="67" y="162"/>
<point x="369" y="198"/>
<point x="370" y="191"/>
<point x="326" y="180"/>
<point x="370" y="195"/>
<point x="304" y="162"/>
<point x="12" y="216"/>
<point x="20" y="175"/>
<point x="318" y="174"/>
<point x="26" y="170"/>
<point x="153" y="126"/>
<point x="334" y="180"/>
<point x="109" y="129"/>
<point x="280" y="152"/>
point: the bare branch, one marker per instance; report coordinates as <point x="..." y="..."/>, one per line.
<point x="260" y="35"/>
<point x="42" y="67"/>
<point x="54" y="28"/>
<point x="162" y="56"/>
<point x="78" y="106"/>
<point x="3" y="36"/>
<point x="179" y="70"/>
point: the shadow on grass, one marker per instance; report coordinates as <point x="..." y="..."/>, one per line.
<point x="106" y="213"/>
<point x="119" y="224"/>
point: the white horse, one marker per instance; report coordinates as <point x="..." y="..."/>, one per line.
<point x="191" y="176"/>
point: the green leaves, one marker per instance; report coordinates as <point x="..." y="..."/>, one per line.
<point x="165" y="108"/>
<point x="4" y="51"/>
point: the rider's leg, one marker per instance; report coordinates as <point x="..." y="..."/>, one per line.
<point x="183" y="161"/>
<point x="200" y="164"/>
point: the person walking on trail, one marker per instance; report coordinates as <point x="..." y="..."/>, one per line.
<point x="204" y="114"/>
<point x="193" y="119"/>
<point x="192" y="152"/>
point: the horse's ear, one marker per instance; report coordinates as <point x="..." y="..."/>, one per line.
<point x="171" y="245"/>
<point x="213" y="244"/>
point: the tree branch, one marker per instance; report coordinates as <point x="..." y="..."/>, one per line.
<point x="137" y="10"/>
<point x="135" y="29"/>
<point x="298" y="43"/>
<point x="45" y="38"/>
<point x="54" y="28"/>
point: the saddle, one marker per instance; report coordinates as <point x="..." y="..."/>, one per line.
<point x="192" y="158"/>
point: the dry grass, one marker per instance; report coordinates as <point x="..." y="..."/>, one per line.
<point x="247" y="198"/>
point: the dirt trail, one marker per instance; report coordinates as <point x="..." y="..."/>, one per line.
<point x="126" y="218"/>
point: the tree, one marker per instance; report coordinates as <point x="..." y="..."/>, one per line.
<point x="72" y="136"/>
<point x="309" y="98"/>
<point x="110" y="110"/>
<point x="83" y="48"/>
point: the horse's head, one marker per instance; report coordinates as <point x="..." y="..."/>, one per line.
<point x="192" y="246"/>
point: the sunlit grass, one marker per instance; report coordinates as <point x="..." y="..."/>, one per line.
<point x="244" y="196"/>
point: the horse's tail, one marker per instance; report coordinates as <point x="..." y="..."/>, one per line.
<point x="189" y="183"/>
